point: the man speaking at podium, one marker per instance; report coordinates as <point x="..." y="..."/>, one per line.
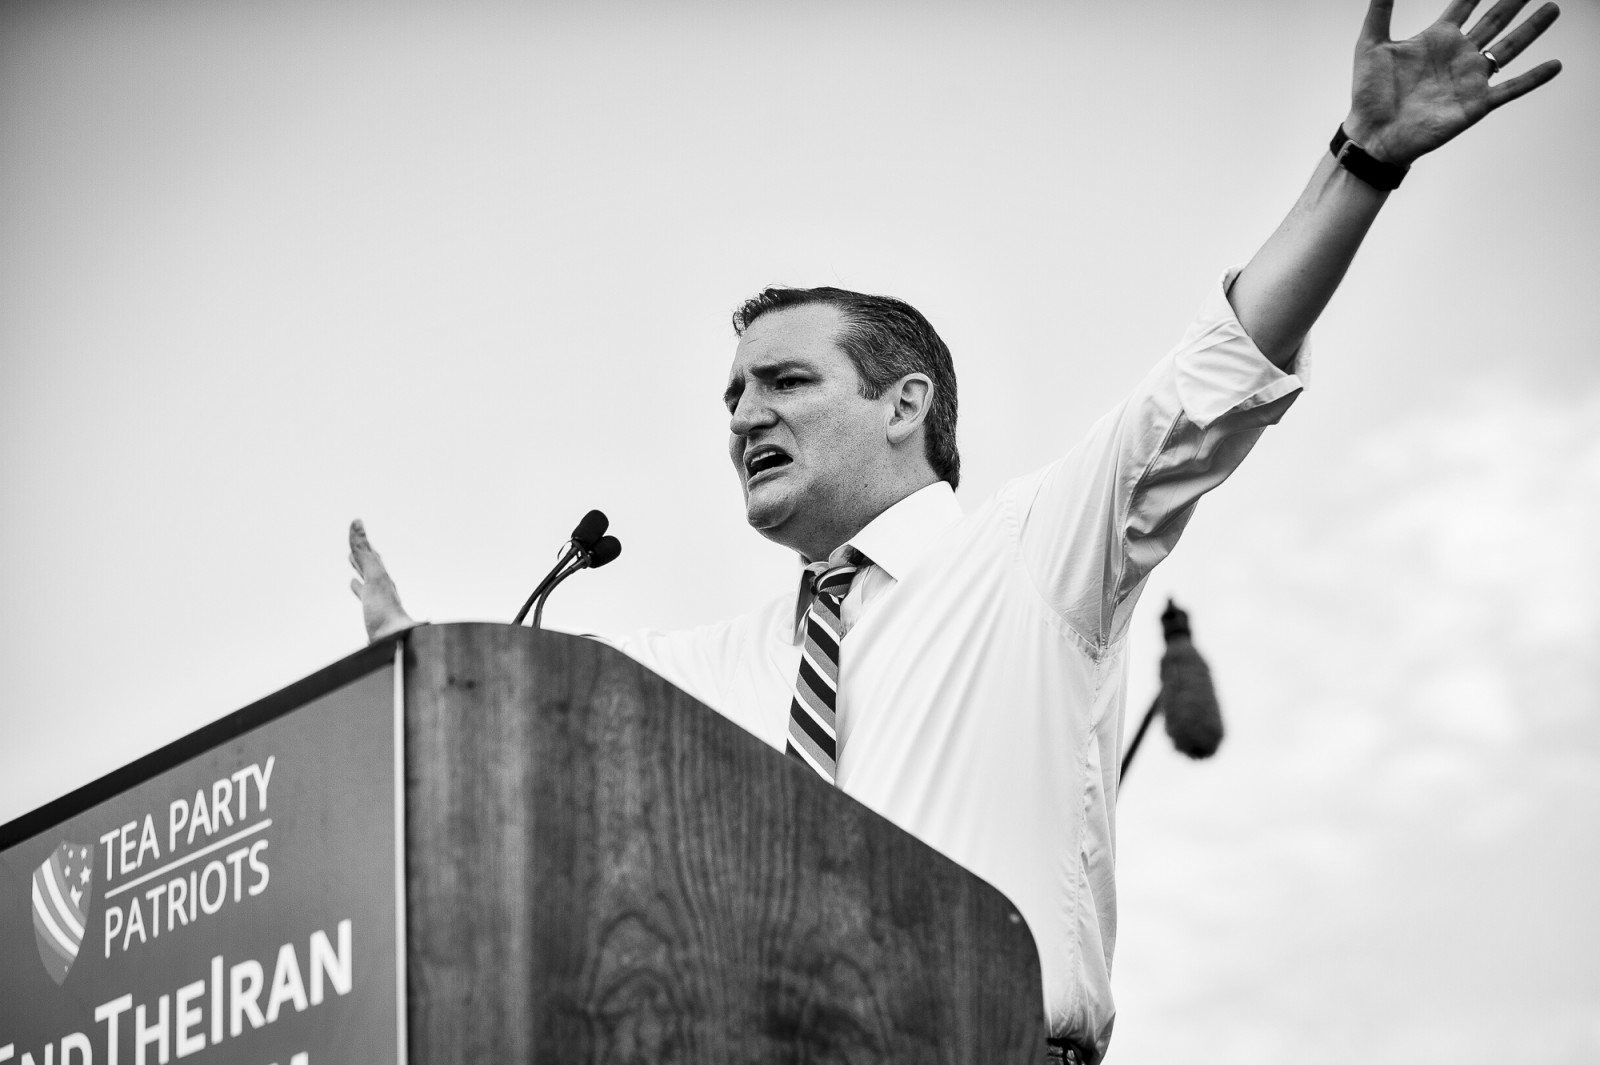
<point x="963" y="673"/>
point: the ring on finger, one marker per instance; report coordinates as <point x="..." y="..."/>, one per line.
<point x="1494" y="64"/>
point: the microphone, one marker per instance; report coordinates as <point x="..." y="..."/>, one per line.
<point x="605" y="550"/>
<point x="588" y="547"/>
<point x="590" y="529"/>
<point x="1188" y="699"/>
<point x="586" y="534"/>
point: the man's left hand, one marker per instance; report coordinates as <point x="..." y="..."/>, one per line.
<point x="1412" y="96"/>
<point x="381" y="611"/>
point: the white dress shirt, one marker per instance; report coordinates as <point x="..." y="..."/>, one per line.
<point x="982" y="674"/>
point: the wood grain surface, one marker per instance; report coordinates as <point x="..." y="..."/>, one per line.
<point x="601" y="870"/>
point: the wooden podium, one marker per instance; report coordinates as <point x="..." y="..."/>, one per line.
<point x="601" y="869"/>
<point x="487" y="844"/>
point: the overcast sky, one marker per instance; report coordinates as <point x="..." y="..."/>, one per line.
<point x="465" y="271"/>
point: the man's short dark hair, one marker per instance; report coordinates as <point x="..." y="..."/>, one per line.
<point x="886" y="339"/>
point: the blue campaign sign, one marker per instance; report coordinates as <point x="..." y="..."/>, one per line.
<point x="233" y="898"/>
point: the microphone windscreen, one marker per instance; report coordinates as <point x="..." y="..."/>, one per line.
<point x="590" y="529"/>
<point x="1189" y="700"/>
<point x="1174" y="621"/>
<point x="606" y="549"/>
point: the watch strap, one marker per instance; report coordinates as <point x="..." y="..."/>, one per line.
<point x="1375" y="172"/>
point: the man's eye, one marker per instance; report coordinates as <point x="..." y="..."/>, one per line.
<point x="783" y="384"/>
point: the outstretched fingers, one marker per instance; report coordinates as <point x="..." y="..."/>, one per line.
<point x="1494" y="20"/>
<point x="1523" y="84"/>
<point x="381" y="610"/>
<point x="1513" y="44"/>
<point x="1458" y="12"/>
<point x="363" y="558"/>
<point x="371" y="574"/>
<point x="1414" y="95"/>
<point x="1375" y="29"/>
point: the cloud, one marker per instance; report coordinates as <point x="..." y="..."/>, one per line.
<point x="1384" y="855"/>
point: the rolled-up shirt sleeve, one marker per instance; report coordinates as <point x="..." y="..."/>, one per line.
<point x="1092" y="525"/>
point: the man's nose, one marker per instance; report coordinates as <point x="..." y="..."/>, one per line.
<point x="749" y="413"/>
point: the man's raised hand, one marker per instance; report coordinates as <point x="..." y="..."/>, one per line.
<point x="1412" y="96"/>
<point x="380" y="600"/>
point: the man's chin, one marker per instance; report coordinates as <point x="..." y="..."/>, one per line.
<point x="767" y="512"/>
<point x="763" y="520"/>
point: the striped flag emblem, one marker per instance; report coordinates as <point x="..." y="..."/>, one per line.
<point x="60" y="901"/>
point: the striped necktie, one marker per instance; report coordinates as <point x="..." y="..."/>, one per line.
<point x="813" y="736"/>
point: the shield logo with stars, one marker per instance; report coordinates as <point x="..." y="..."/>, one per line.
<point x="60" y="901"/>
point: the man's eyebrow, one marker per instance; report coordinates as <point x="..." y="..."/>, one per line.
<point x="764" y="372"/>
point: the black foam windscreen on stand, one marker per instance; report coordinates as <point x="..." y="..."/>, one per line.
<point x="1188" y="697"/>
<point x="1187" y="700"/>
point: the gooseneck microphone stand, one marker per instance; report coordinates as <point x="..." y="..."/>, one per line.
<point x="588" y="548"/>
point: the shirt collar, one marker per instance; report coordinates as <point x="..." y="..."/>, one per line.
<point x="897" y="539"/>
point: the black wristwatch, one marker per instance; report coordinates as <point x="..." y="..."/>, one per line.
<point x="1383" y="176"/>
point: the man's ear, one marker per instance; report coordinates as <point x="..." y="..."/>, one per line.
<point x="912" y="396"/>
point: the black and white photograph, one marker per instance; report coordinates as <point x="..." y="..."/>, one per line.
<point x="496" y="565"/>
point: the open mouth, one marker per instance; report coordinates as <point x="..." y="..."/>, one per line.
<point x="764" y="459"/>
